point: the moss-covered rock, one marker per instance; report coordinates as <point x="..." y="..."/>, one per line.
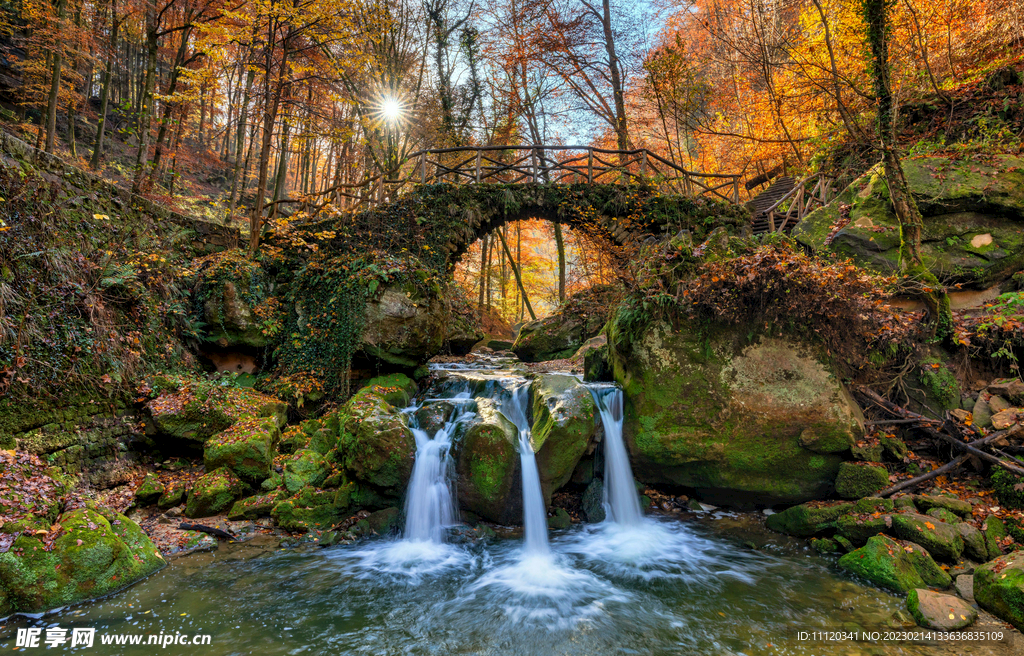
<point x="931" y="572"/>
<point x="974" y="542"/>
<point x="825" y="546"/>
<point x="1005" y="485"/>
<point x="149" y="491"/>
<point x="593" y="501"/>
<point x="97" y="551"/>
<point x="999" y="588"/>
<point x="563" y="428"/>
<point x="972" y="212"/>
<point x="994" y="530"/>
<point x="304" y="468"/>
<point x="214" y="493"/>
<point x="955" y="505"/>
<point x="561" y="334"/>
<point x="885" y="562"/>
<point x="804" y="521"/>
<point x="386" y="521"/>
<point x="944" y="515"/>
<point x="247" y="448"/>
<point x="942" y="540"/>
<point x="376" y="446"/>
<point x="860" y="480"/>
<point x="941" y="612"/>
<point x="432" y="416"/>
<point x="175" y="494"/>
<point x="254" y="507"/>
<point x="560" y="519"/>
<point x="487" y="463"/>
<point x="761" y="420"/>
<point x="858" y="528"/>
<point x="312" y="509"/>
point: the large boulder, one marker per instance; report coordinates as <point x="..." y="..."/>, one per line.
<point x="214" y="493"/>
<point x="487" y="465"/>
<point x="973" y="210"/>
<point x="247" y="448"/>
<point x="87" y="553"/>
<point x="563" y="428"/>
<point x="376" y="446"/>
<point x="999" y="588"/>
<point x="941" y="539"/>
<point x="897" y="566"/>
<point x="804" y="521"/>
<point x="743" y="420"/>
<point x="561" y="334"/>
<point x="404" y="327"/>
<point x="938" y="611"/>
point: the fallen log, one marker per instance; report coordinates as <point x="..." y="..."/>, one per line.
<point x="203" y="528"/>
<point x="914" y="482"/>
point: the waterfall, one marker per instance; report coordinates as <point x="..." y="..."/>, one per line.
<point x="535" y="520"/>
<point x="429" y="505"/>
<point x="621" y="502"/>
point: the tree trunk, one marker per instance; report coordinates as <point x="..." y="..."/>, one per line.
<point x="243" y="116"/>
<point x="515" y="271"/>
<point x="101" y="125"/>
<point x="615" y="76"/>
<point x="147" y="100"/>
<point x="560" y="245"/>
<point x="483" y="273"/>
<point x="876" y="17"/>
<point x="57" y="62"/>
<point x="269" y="116"/>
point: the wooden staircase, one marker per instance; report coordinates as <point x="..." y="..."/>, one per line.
<point x="786" y="202"/>
<point x="761" y="205"/>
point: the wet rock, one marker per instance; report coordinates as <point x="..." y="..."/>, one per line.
<point x="824" y="545"/>
<point x="855" y="481"/>
<point x="741" y="421"/>
<point x="563" y="428"/>
<point x="386" y="521"/>
<point x="487" y="466"/>
<point x="311" y="509"/>
<point x="432" y="416"/>
<point x="595" y="359"/>
<point x="804" y="521"/>
<point x="175" y="494"/>
<point x="593" y="502"/>
<point x="214" y="493"/>
<point x="560" y="520"/>
<point x="941" y="612"/>
<point x="846" y="545"/>
<point x="941" y="539"/>
<point x="405" y="326"/>
<point x="999" y="588"/>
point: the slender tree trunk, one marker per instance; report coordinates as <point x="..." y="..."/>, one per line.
<point x="560" y="246"/>
<point x="269" y="116"/>
<point x="615" y="77"/>
<point x="57" y="61"/>
<point x="147" y="100"/>
<point x="101" y="124"/>
<point x="243" y="116"/>
<point x="515" y="271"/>
<point x="876" y="17"/>
<point x="483" y="273"/>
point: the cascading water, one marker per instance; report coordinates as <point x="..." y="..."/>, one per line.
<point x="621" y="502"/>
<point x="535" y="520"/>
<point x="429" y="505"/>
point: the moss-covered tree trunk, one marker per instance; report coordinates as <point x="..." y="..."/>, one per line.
<point x="876" y="19"/>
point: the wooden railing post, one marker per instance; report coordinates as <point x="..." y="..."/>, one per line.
<point x="533" y="163"/>
<point x="643" y="164"/>
<point x="423" y="167"/>
<point x="736" y="189"/>
<point x="590" y="166"/>
<point x="478" y="153"/>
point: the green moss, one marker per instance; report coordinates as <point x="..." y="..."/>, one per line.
<point x="563" y="426"/>
<point x="305" y="468"/>
<point x="214" y="493"/>
<point x="247" y="448"/>
<point x="375" y="445"/>
<point x="999" y="588"/>
<point x="310" y="509"/>
<point x="486" y="464"/>
<point x="254" y="507"/>
<point x="150" y="491"/>
<point x="1003" y="483"/>
<point x="804" y="521"/>
<point x="940" y="539"/>
<point x="855" y="481"/>
<point x="883" y="562"/>
<point x="99" y="551"/>
<point x="858" y="528"/>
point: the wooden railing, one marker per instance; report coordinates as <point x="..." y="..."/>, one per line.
<point x="538" y="165"/>
<point x="795" y="205"/>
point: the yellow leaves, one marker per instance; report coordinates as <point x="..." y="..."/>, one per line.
<point x="101" y="217"/>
